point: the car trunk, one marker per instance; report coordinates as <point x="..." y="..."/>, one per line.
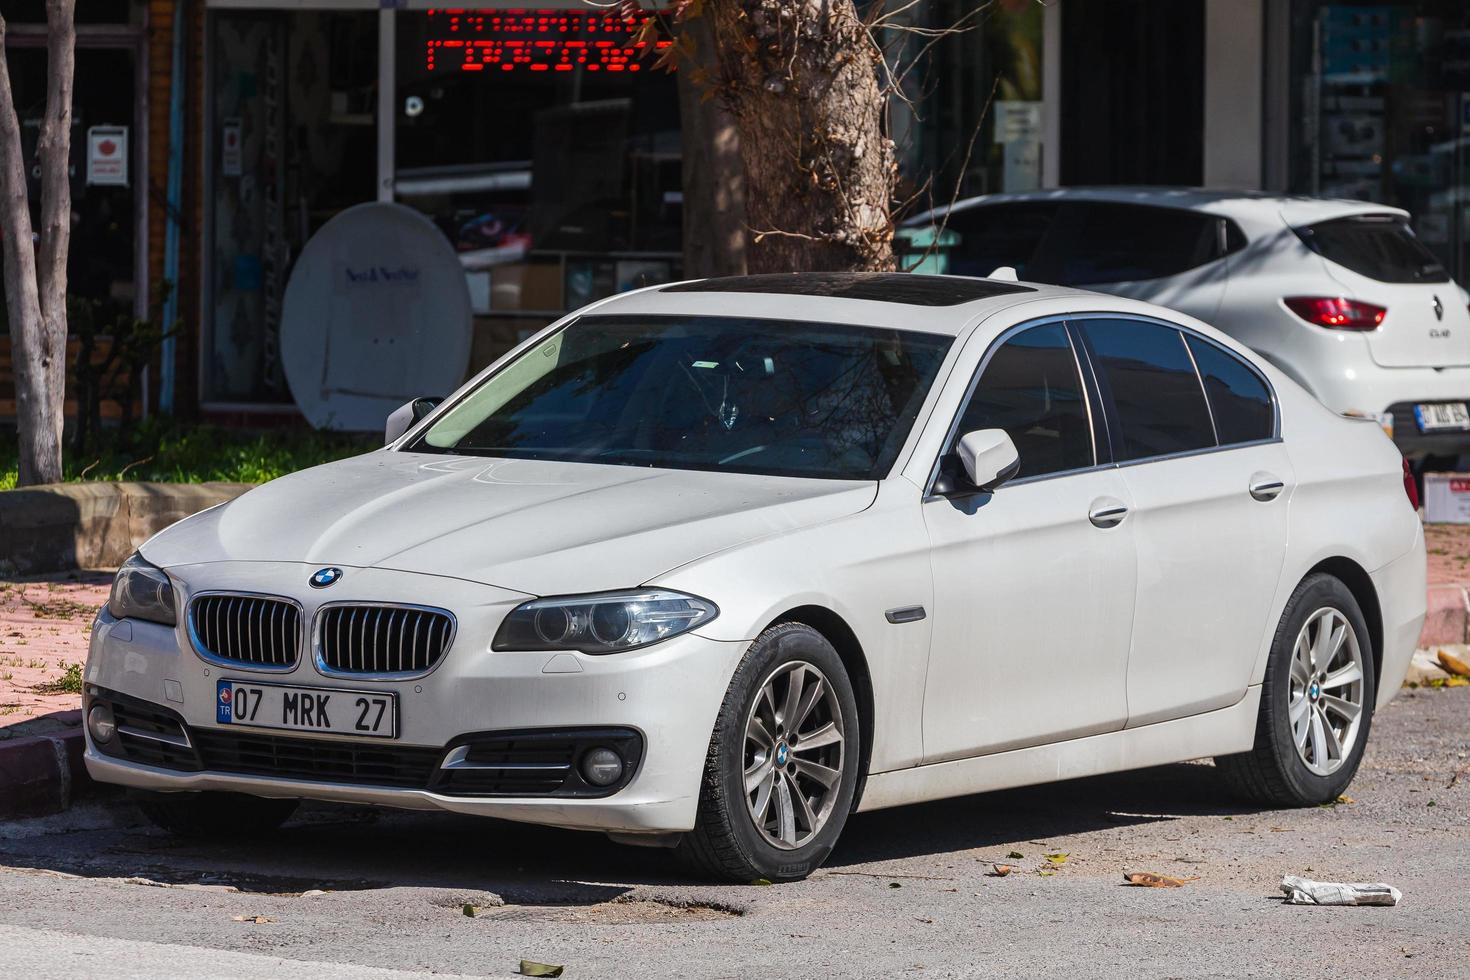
<point x="1378" y="260"/>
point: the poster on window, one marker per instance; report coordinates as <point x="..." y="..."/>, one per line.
<point x="107" y="156"/>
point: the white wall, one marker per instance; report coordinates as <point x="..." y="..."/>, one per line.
<point x="1234" y="71"/>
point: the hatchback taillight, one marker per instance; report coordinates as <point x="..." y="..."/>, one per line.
<point x="1336" y="312"/>
<point x="1410" y="487"/>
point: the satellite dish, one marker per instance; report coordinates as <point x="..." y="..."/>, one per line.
<point x="377" y="312"/>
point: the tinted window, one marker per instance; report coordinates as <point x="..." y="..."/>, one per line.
<point x="784" y="398"/>
<point x="1126" y="242"/>
<point x="1030" y="388"/>
<point x="1377" y="246"/>
<point x="997" y="235"/>
<point x="1145" y="369"/>
<point x="1239" y="399"/>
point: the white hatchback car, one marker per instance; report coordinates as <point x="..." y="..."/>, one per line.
<point x="713" y="565"/>
<point x="1340" y="295"/>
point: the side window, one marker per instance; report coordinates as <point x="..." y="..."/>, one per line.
<point x="1239" y="399"/>
<point x="997" y="235"/>
<point x="1031" y="389"/>
<point x="1128" y="243"/>
<point x="1145" y="369"/>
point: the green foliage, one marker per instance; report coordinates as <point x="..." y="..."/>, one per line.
<point x="171" y="452"/>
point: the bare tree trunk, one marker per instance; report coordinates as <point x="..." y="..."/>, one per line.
<point x="713" y="173"/>
<point x="35" y="271"/>
<point x="801" y="79"/>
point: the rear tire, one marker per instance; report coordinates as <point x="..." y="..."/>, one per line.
<point x="1315" y="713"/>
<point x="216" y="814"/>
<point x="785" y="824"/>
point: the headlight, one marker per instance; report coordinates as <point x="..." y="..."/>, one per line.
<point x="603" y="623"/>
<point x="142" y="591"/>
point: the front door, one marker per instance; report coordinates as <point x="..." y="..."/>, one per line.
<point x="1034" y="583"/>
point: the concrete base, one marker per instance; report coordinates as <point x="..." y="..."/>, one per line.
<point x="63" y="526"/>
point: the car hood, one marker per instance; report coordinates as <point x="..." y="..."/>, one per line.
<point x="533" y="526"/>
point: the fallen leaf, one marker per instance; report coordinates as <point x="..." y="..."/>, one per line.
<point x="1147" y="879"/>
<point x="1015" y="855"/>
<point x="1060" y="857"/>
<point x="894" y="884"/>
<point x="1457" y="681"/>
<point x="761" y="881"/>
<point x="1001" y="870"/>
<point x="530" y="968"/>
<point x="470" y="910"/>
<point x="1046" y="872"/>
<point x="1346" y="799"/>
<point x="1453" y="665"/>
<point x="257" y="919"/>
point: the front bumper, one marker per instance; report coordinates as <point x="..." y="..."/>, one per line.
<point x="668" y="694"/>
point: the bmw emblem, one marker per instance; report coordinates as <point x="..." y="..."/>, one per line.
<point x="781" y="753"/>
<point x="324" y="577"/>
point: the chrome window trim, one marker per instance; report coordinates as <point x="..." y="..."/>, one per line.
<point x="1066" y="319"/>
<point x="209" y="656"/>
<point x="328" y="671"/>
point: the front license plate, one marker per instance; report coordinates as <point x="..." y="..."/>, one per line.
<point x="1442" y="417"/>
<point x="373" y="714"/>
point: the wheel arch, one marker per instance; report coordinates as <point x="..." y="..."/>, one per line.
<point x="844" y="640"/>
<point x="1360" y="584"/>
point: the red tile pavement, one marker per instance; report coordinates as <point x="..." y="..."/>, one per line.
<point x="44" y="627"/>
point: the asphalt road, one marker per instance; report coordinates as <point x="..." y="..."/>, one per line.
<point x="371" y="893"/>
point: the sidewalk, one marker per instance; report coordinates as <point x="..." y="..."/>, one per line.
<point x="44" y="628"/>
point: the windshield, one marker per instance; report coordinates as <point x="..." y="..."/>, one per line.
<point x="776" y="397"/>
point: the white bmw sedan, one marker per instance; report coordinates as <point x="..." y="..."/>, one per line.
<point x="714" y="565"/>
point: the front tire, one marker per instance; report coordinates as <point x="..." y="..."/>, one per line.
<point x="782" y="765"/>
<point x="218" y="815"/>
<point x="1316" y="702"/>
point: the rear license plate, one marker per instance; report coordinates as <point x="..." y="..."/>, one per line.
<point x="370" y="714"/>
<point x="1442" y="416"/>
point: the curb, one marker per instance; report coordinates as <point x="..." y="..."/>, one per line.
<point x="43" y="774"/>
<point x="63" y="526"/>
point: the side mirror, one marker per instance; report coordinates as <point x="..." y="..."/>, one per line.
<point x="406" y="416"/>
<point x="989" y="458"/>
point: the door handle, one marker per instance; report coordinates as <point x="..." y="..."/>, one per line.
<point x="1107" y="512"/>
<point x="1265" y="487"/>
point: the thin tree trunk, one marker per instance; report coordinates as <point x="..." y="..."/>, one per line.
<point x="53" y="154"/>
<point x="40" y="450"/>
<point x="713" y="173"/>
<point x="801" y="79"/>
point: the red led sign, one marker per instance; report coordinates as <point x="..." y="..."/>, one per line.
<point x="459" y="39"/>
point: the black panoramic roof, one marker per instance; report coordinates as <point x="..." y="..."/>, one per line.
<point x="882" y="287"/>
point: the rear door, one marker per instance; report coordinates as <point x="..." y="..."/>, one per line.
<point x="1377" y="259"/>
<point x="1208" y="483"/>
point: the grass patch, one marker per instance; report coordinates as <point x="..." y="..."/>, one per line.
<point x="70" y="682"/>
<point x="167" y="451"/>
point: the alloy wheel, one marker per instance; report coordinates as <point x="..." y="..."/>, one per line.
<point x="1325" y="703"/>
<point x="794" y="743"/>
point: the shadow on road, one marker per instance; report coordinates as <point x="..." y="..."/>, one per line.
<point x="350" y="848"/>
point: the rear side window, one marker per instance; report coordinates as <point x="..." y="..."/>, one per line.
<point x="1127" y="243"/>
<point x="996" y="235"/>
<point x="1379" y="246"/>
<point x="1031" y="389"/>
<point x="1146" y="371"/>
<point x="1239" y="399"/>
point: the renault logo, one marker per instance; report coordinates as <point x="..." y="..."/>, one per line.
<point x="324" y="577"/>
<point x="1438" y="309"/>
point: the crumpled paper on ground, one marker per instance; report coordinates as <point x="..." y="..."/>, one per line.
<point x="1305" y="891"/>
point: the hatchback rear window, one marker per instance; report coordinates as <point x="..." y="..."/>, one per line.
<point x="998" y="234"/>
<point x="1379" y="246"/>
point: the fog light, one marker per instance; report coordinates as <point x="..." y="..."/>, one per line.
<point x="101" y="723"/>
<point x="602" y="767"/>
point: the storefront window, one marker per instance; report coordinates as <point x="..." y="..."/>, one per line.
<point x="1381" y="111"/>
<point x="292" y="142"/>
<point x="545" y="144"/>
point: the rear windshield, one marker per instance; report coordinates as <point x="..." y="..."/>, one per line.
<point x="1381" y="247"/>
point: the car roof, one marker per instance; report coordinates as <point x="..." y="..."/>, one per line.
<point x="1296" y="210"/>
<point x="899" y="301"/>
